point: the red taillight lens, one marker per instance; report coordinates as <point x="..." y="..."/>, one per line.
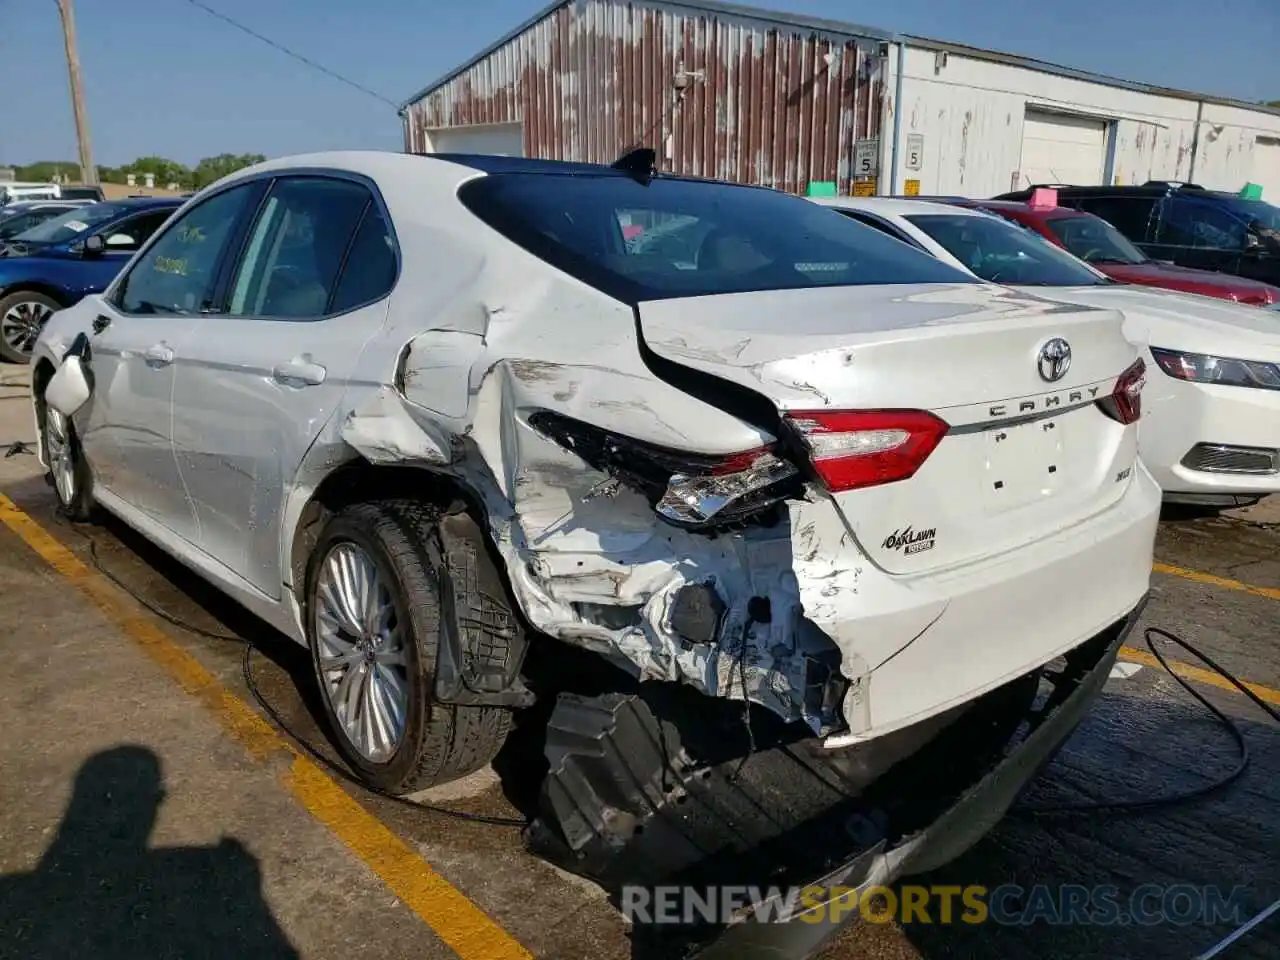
<point x="1125" y="403"/>
<point x="864" y="448"/>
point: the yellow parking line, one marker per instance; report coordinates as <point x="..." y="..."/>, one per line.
<point x="1209" y="579"/>
<point x="1200" y="675"/>
<point x="467" y="929"/>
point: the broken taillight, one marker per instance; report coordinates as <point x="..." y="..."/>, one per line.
<point x="1124" y="405"/>
<point x="850" y="449"/>
<point x="687" y="489"/>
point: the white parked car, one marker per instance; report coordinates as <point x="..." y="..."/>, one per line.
<point x="1211" y="420"/>
<point x="420" y="412"/>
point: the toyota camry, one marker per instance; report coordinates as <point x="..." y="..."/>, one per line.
<point x="799" y="490"/>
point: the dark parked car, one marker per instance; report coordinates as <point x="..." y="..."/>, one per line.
<point x="83" y="193"/>
<point x="1105" y="248"/>
<point x="1186" y="224"/>
<point x="55" y="264"/>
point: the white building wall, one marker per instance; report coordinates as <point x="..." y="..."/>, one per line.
<point x="970" y="113"/>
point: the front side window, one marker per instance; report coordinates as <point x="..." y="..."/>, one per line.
<point x="1094" y="240"/>
<point x="1001" y="253"/>
<point x="179" y="272"/>
<point x="682" y="238"/>
<point x="296" y="248"/>
<point x="1205" y="226"/>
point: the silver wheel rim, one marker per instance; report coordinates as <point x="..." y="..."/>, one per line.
<point x="360" y="646"/>
<point x="61" y="460"/>
<point x="22" y="324"/>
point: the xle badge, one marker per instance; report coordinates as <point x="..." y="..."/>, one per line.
<point x="910" y="541"/>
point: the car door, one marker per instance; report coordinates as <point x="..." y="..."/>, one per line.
<point x="138" y="329"/>
<point x="266" y="373"/>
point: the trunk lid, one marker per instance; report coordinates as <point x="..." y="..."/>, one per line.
<point x="1023" y="457"/>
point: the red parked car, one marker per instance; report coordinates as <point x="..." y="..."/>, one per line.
<point x="1105" y="248"/>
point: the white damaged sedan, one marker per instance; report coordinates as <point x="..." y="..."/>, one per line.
<point x="425" y="414"/>
<point x="1211" y="425"/>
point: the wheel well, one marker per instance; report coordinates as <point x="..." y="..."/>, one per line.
<point x="35" y="286"/>
<point x="360" y="481"/>
<point x="40" y="378"/>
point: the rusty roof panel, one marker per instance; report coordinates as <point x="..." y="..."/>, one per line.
<point x="717" y="95"/>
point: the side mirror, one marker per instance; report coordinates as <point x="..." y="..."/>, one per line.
<point x="94" y="246"/>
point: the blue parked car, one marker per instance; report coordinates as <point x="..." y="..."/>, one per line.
<point x="55" y="264"/>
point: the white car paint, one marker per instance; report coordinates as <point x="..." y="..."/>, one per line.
<point x="211" y="435"/>
<point x="1177" y="414"/>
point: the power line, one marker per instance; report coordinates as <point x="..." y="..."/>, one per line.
<point x="290" y="53"/>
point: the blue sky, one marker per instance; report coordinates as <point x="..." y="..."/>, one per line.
<point x="166" y="78"/>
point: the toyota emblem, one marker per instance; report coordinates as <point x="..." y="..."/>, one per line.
<point x="1055" y="360"/>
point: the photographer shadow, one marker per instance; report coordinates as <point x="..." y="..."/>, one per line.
<point x="99" y="891"/>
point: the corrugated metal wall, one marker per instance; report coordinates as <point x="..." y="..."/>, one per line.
<point x="762" y="104"/>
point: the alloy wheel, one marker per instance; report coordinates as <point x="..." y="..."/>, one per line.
<point x="22" y="323"/>
<point x="61" y="457"/>
<point x="360" y="639"/>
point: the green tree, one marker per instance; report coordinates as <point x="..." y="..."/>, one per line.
<point x="215" y="168"/>
<point x="165" y="171"/>
<point x="43" y="171"/>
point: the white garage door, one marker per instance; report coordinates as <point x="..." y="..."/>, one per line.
<point x="497" y="139"/>
<point x="1266" y="167"/>
<point x="1062" y="149"/>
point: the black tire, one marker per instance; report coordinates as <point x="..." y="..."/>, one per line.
<point x="11" y="352"/>
<point x="78" y="504"/>
<point x="441" y="742"/>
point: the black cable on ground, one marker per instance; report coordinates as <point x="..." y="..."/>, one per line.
<point x="1182" y="796"/>
<point x="1089" y="806"/>
<point x="246" y="666"/>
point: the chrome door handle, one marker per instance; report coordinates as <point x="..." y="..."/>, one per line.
<point x="297" y="372"/>
<point x="160" y="355"/>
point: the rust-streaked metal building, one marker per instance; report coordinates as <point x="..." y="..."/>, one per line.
<point x="784" y="100"/>
<point x="719" y="91"/>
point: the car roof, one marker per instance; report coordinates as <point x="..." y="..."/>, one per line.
<point x="895" y="206"/>
<point x="1026" y="210"/>
<point x="46" y="202"/>
<point x="385" y="163"/>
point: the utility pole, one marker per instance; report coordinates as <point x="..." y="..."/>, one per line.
<point x="88" y="172"/>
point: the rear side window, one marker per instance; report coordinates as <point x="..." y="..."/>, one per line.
<point x="682" y="238"/>
<point x="874" y="224"/>
<point x="370" y="270"/>
<point x="297" y="247"/>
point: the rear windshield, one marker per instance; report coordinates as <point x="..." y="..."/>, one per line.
<point x="1094" y="240"/>
<point x="1002" y="253"/>
<point x="681" y="238"/>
